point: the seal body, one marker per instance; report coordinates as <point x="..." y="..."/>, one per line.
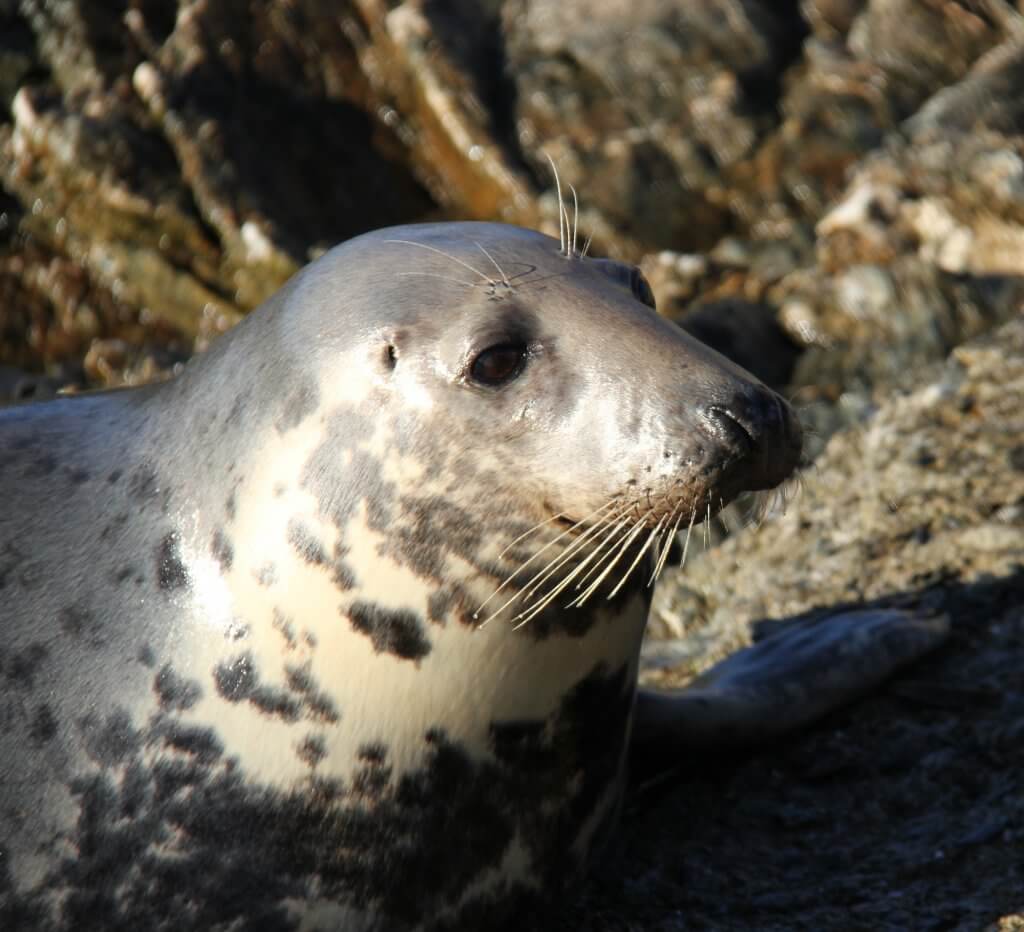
<point x="245" y="677"/>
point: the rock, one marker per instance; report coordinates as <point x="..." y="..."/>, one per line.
<point x="106" y="190"/>
<point x="648" y="128"/>
<point x="159" y="159"/>
<point x="749" y="335"/>
<point x="899" y="504"/>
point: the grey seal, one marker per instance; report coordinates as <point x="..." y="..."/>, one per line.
<point x="340" y="628"/>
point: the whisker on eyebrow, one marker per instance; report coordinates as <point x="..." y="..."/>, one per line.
<point x="441" y="252"/>
<point x="575" y="220"/>
<point x="562" y="229"/>
<point x="501" y="271"/>
<point x="586" y="246"/>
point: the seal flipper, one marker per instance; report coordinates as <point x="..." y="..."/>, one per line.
<point x="784" y="682"/>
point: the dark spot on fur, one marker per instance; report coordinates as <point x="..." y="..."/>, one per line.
<point x="198" y="741"/>
<point x="109" y="741"/>
<point x="171" y="572"/>
<point x="339" y="485"/>
<point x="398" y="632"/>
<point x="237" y="630"/>
<point x="266" y="575"/>
<point x="122" y="575"/>
<point x="230" y="506"/>
<point x="44" y="465"/>
<point x="430" y="529"/>
<point x="302" y="401"/>
<point x="188" y="833"/>
<point x="342" y="575"/>
<point x="114" y="476"/>
<point x="317" y="703"/>
<point x="10" y="559"/>
<point x="77" y="475"/>
<point x="115" y="527"/>
<point x="374" y="753"/>
<point x="311" y="749"/>
<point x="223" y="552"/>
<point x="237" y="681"/>
<point x="284" y="624"/>
<point x="175" y="693"/>
<point x="439" y="604"/>
<point x="146" y="656"/>
<point x="305" y="544"/>
<point x="234" y="414"/>
<point x="144" y="485"/>
<point x="43" y="726"/>
<point x="22" y="666"/>
<point x="82" y="623"/>
<point x="371" y="782"/>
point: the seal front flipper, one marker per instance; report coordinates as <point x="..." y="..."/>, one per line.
<point x="784" y="682"/>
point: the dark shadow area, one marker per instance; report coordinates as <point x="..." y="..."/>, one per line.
<point x="901" y="811"/>
<point x="320" y="186"/>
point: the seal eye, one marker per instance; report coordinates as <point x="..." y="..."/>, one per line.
<point x="499" y="364"/>
<point x="642" y="290"/>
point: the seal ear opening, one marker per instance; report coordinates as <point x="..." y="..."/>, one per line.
<point x="390" y="356"/>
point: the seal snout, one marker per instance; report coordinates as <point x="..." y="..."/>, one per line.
<point x="757" y="434"/>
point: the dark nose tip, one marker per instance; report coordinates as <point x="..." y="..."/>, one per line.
<point x="759" y="432"/>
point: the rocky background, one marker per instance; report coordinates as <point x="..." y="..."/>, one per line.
<point x="830" y="191"/>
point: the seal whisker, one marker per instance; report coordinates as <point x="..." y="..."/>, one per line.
<point x="536" y="608"/>
<point x="597" y="566"/>
<point x="668" y="545"/>
<point x="562" y="231"/>
<point x="523" y="566"/>
<point x="575" y="220"/>
<point x="494" y="262"/>
<point x="633" y="534"/>
<point x="447" y="255"/>
<point x="586" y="246"/>
<point x="686" y="543"/>
<point x="600" y="528"/>
<point x="609" y="566"/>
<point x="571" y="551"/>
<point x="636" y="559"/>
<point x="568" y="225"/>
<point x="538" y="526"/>
<point x="549" y="596"/>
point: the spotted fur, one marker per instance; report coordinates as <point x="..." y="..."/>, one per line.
<point x="243" y="678"/>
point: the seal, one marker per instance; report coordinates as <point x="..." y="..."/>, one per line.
<point x="340" y="628"/>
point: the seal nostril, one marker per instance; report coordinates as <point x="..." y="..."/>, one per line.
<point x="727" y="427"/>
